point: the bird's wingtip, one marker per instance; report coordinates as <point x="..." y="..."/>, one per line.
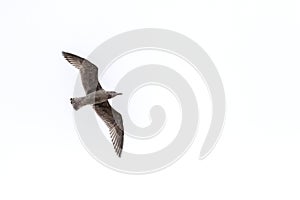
<point x="67" y="55"/>
<point x="64" y="53"/>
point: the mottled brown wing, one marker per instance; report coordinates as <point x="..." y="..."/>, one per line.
<point x="114" y="122"/>
<point x="88" y="72"/>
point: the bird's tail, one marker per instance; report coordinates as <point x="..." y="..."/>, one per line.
<point x="76" y="103"/>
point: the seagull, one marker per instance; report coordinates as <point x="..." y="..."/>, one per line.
<point x="98" y="98"/>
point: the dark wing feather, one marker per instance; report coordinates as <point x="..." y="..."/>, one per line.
<point x="114" y="122"/>
<point x="88" y="72"/>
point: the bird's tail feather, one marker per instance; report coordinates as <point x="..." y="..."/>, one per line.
<point x="76" y="103"/>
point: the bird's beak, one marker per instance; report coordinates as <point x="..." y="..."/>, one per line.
<point x="119" y="93"/>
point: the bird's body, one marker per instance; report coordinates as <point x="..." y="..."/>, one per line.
<point x="98" y="98"/>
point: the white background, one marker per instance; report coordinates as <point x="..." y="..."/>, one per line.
<point x="255" y="46"/>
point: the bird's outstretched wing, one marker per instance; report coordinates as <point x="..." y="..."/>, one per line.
<point x="114" y="122"/>
<point x="88" y="72"/>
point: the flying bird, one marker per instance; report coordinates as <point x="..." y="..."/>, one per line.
<point x="98" y="98"/>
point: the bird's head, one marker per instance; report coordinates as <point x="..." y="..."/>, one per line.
<point x="112" y="94"/>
